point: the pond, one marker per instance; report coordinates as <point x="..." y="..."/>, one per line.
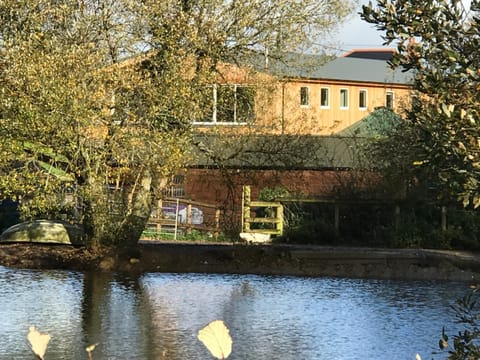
<point x="269" y="317"/>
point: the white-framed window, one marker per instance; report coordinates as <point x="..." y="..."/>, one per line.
<point x="230" y="104"/>
<point x="304" y="96"/>
<point x="362" y="99"/>
<point x="343" y="98"/>
<point x="389" y="100"/>
<point x="325" y="98"/>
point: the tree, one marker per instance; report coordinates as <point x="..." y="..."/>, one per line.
<point x="439" y="42"/>
<point x="97" y="97"/>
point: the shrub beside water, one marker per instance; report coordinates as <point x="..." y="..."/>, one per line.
<point x="379" y="225"/>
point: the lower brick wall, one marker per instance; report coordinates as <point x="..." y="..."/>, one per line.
<point x="213" y="186"/>
<point x="225" y="188"/>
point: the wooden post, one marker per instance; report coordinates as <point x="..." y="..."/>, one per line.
<point x="280" y="220"/>
<point x="337" y="216"/>
<point x="188" y="220"/>
<point x="246" y="208"/>
<point x="444" y="218"/>
<point x="176" y="221"/>
<point x="159" y="216"/>
<point x="397" y="217"/>
<point x="217" y="223"/>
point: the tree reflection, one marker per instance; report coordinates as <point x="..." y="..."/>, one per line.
<point x="118" y="316"/>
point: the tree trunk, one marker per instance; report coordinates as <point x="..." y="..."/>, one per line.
<point x="139" y="210"/>
<point x="118" y="217"/>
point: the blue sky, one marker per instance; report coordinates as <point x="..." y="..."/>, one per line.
<point x="356" y="33"/>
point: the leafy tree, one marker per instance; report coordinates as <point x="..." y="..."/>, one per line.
<point x="97" y="96"/>
<point x="464" y="344"/>
<point x="439" y="143"/>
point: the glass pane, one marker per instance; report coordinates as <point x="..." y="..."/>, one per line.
<point x="389" y="100"/>
<point x="207" y="103"/>
<point x="343" y="98"/>
<point x="225" y="103"/>
<point x="245" y="104"/>
<point x="362" y="100"/>
<point x="324" y="97"/>
<point x="304" y="96"/>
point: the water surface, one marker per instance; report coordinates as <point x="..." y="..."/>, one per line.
<point x="269" y="317"/>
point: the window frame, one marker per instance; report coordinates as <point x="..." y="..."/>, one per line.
<point x="390" y="94"/>
<point x="307" y="97"/>
<point x="360" y="92"/>
<point x="346" y="98"/>
<point x="327" y="89"/>
<point x="215" y="110"/>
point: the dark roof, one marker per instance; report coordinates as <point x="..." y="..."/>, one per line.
<point x="318" y="67"/>
<point x="385" y="54"/>
<point x="276" y="152"/>
<point x="289" y="65"/>
<point x="362" y="70"/>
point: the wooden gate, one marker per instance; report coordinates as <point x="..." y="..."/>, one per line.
<point x="270" y="224"/>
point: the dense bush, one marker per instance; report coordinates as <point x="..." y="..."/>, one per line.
<point x="466" y="343"/>
<point x="411" y="225"/>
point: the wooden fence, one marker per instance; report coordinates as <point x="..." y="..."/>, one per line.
<point x="174" y="216"/>
<point x="337" y="204"/>
<point x="270" y="224"/>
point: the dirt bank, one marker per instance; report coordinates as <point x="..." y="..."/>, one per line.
<point x="253" y="259"/>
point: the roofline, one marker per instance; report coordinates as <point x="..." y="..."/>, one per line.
<point x="345" y="82"/>
<point x="362" y="50"/>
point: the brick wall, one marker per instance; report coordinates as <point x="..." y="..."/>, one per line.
<point x="211" y="185"/>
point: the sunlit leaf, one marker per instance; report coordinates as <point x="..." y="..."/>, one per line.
<point x="216" y="337"/>
<point x="38" y="342"/>
<point x="90" y="348"/>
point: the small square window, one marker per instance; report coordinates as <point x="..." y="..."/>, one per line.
<point x="325" y="98"/>
<point x="304" y="96"/>
<point x="362" y="99"/>
<point x="343" y="98"/>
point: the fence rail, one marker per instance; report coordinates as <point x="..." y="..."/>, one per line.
<point x="173" y="217"/>
<point x="272" y="210"/>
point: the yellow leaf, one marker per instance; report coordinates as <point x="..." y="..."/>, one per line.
<point x="91" y="347"/>
<point x="216" y="337"/>
<point x="38" y="342"/>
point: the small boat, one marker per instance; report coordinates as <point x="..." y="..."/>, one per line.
<point x="44" y="231"/>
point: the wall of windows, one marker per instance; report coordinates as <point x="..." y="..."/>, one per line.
<point x="230" y="104"/>
<point x="302" y="106"/>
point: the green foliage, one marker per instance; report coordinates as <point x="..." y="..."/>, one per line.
<point x="273" y="194"/>
<point x="466" y="343"/>
<point x="439" y="42"/>
<point x="309" y="224"/>
<point x="100" y="95"/>
<point x="416" y="225"/>
<point x="193" y="235"/>
<point x="270" y="195"/>
<point x="309" y="231"/>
